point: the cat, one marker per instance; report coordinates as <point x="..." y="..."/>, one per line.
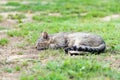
<point x="76" y="42"/>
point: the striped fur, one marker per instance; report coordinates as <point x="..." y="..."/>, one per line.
<point x="98" y="49"/>
<point x="79" y="41"/>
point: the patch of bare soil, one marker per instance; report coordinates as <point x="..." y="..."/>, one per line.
<point x="111" y="17"/>
<point x="28" y="16"/>
<point x="9" y="76"/>
<point x="6" y="14"/>
<point x="11" y="54"/>
<point x="10" y="57"/>
<point x="8" y="24"/>
<point x="8" y="7"/>
<point x="3" y="1"/>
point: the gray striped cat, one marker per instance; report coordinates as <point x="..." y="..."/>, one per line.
<point x="76" y="42"/>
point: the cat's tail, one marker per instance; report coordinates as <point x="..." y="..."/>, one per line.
<point x="98" y="49"/>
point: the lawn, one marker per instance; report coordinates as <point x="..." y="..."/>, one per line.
<point x="66" y="16"/>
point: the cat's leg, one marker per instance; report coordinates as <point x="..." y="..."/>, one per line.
<point x="67" y="49"/>
<point x="74" y="50"/>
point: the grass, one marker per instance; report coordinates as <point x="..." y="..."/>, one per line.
<point x="92" y="7"/>
<point x="72" y="20"/>
<point x="7" y="69"/>
<point x="75" y="16"/>
<point x="98" y="27"/>
<point x="71" y="68"/>
<point x="4" y="41"/>
<point x="16" y="16"/>
<point x="1" y="18"/>
<point x="17" y="68"/>
<point x="17" y="33"/>
<point x="20" y="53"/>
<point x="11" y="3"/>
<point x="2" y="28"/>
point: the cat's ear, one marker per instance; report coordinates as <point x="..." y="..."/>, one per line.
<point x="45" y="35"/>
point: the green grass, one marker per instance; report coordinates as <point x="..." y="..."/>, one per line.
<point x="1" y="18"/>
<point x="3" y="41"/>
<point x="20" y="33"/>
<point x="2" y="28"/>
<point x="75" y="25"/>
<point x="93" y="8"/>
<point x="7" y="69"/>
<point x="16" y="16"/>
<point x="57" y="65"/>
<point x="10" y="3"/>
<point x="71" y="68"/>
<point x="17" y="68"/>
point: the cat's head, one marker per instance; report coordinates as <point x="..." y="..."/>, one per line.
<point x="43" y="42"/>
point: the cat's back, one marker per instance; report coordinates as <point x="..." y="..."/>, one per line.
<point x="59" y="35"/>
<point x="85" y="38"/>
<point x="83" y="35"/>
<point x="59" y="38"/>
